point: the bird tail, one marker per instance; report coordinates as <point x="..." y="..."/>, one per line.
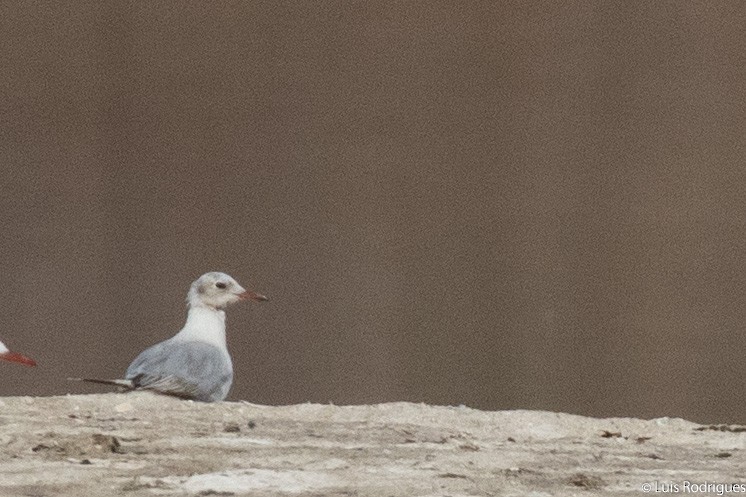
<point x="119" y="383"/>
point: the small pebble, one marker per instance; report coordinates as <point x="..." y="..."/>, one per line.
<point x="232" y="428"/>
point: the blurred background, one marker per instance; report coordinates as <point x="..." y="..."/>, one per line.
<point x="499" y="204"/>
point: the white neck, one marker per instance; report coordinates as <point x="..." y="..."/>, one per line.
<point x="204" y="324"/>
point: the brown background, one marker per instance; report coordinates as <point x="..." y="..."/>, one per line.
<point x="506" y="205"/>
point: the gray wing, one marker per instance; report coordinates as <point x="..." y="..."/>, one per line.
<point x="191" y="370"/>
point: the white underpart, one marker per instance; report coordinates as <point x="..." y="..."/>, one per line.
<point x="3" y="348"/>
<point x="204" y="324"/>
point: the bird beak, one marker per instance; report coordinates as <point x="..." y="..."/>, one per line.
<point x="21" y="359"/>
<point x="249" y="295"/>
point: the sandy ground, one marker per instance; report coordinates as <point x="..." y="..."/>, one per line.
<point x="141" y="444"/>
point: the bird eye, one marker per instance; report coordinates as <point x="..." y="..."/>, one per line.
<point x="221" y="285"/>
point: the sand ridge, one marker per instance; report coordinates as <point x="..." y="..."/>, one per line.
<point x="140" y="444"/>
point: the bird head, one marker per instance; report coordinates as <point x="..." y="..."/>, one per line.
<point x="218" y="290"/>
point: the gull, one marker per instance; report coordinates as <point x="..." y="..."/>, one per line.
<point x="194" y="363"/>
<point x="7" y="355"/>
